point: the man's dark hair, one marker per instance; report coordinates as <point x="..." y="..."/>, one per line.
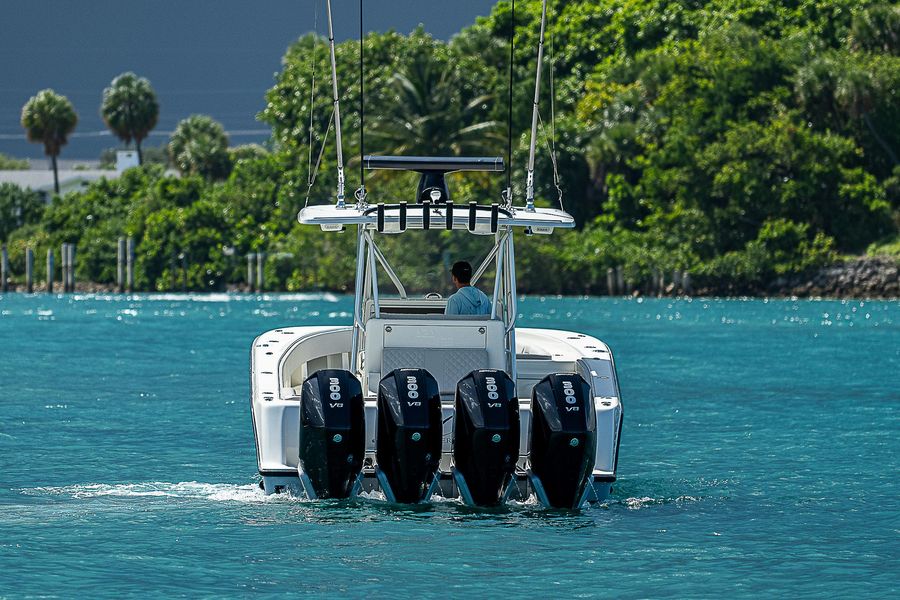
<point x="462" y="271"/>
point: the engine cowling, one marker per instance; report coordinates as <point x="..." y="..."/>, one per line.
<point x="486" y="435"/>
<point x="408" y="448"/>
<point x="332" y="432"/>
<point x="563" y="438"/>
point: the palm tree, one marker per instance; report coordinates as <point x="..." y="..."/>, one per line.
<point x="49" y="118"/>
<point x="199" y="146"/>
<point x="427" y="114"/>
<point x="130" y="109"/>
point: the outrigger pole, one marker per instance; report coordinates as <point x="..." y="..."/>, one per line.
<point x="337" y="113"/>
<point x="529" y="182"/>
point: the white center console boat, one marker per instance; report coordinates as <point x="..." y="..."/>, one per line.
<point x="410" y="401"/>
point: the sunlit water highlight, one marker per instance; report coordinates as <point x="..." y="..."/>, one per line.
<point x="759" y="458"/>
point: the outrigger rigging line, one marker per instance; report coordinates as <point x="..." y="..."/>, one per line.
<point x="529" y="181"/>
<point x="509" y="116"/>
<point x="337" y="113"/>
<point x="361" y="192"/>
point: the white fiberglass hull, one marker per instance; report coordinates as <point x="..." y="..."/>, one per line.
<point x="282" y="358"/>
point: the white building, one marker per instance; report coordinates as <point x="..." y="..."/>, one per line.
<point x="70" y="180"/>
<point x="42" y="181"/>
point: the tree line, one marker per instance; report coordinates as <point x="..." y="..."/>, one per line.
<point x="130" y="110"/>
<point x="737" y="141"/>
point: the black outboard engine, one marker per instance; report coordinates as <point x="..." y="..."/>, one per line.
<point x="486" y="436"/>
<point x="332" y="434"/>
<point x="408" y="448"/>
<point x="563" y="440"/>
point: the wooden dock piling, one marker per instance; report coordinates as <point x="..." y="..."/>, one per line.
<point x="184" y="274"/>
<point x="251" y="271"/>
<point x="120" y="265"/>
<point x="51" y="268"/>
<point x="64" y="266"/>
<point x="72" y="268"/>
<point x="129" y="264"/>
<point x="29" y="270"/>
<point x="620" y="279"/>
<point x="4" y="270"/>
<point x="260" y="266"/>
<point x="610" y="282"/>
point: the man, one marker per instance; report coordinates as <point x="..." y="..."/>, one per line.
<point x="467" y="300"/>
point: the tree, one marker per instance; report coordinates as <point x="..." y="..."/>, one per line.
<point x="877" y="29"/>
<point x="199" y="146"/>
<point x="18" y="207"/>
<point x="130" y="109"/>
<point x="428" y="115"/>
<point x="49" y="118"/>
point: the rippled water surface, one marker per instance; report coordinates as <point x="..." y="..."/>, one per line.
<point x="759" y="457"/>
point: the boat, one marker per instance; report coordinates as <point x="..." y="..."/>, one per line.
<point x="408" y="402"/>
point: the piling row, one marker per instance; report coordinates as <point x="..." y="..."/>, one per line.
<point x="67" y="269"/>
<point x="617" y="284"/>
<point x="67" y="253"/>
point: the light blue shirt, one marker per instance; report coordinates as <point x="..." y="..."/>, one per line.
<point x="468" y="301"/>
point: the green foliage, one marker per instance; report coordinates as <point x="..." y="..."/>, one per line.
<point x="18" y="207"/>
<point x="885" y="247"/>
<point x="427" y="110"/>
<point x="740" y="140"/>
<point x="782" y="247"/>
<point x="28" y="236"/>
<point x="199" y="146"/>
<point x="877" y="29"/>
<point x="194" y="234"/>
<point x="130" y="109"/>
<point x="8" y="163"/>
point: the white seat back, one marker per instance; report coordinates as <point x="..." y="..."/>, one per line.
<point x="448" y="348"/>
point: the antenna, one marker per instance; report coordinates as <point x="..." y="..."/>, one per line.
<point x="529" y="182"/>
<point x="337" y="114"/>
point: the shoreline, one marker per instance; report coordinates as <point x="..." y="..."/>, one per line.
<point x="860" y="278"/>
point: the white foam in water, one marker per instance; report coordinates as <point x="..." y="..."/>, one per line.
<point x="191" y="490"/>
<point x="211" y="297"/>
<point x="645" y="501"/>
<point x="529" y="502"/>
<point x="373" y="495"/>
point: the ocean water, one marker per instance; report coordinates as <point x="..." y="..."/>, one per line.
<point x="759" y="458"/>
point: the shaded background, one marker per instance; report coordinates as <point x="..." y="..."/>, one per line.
<point x="216" y="57"/>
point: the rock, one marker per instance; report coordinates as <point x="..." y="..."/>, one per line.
<point x="866" y="276"/>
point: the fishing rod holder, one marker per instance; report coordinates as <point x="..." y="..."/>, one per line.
<point x="404" y="213"/>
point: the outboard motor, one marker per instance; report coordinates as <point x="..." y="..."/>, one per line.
<point x="408" y="448"/>
<point x="563" y="440"/>
<point x="486" y="436"/>
<point x="332" y="434"/>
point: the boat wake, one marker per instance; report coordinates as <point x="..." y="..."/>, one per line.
<point x="244" y="494"/>
<point x="188" y="490"/>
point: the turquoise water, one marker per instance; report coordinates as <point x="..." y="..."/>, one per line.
<point x="759" y="457"/>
